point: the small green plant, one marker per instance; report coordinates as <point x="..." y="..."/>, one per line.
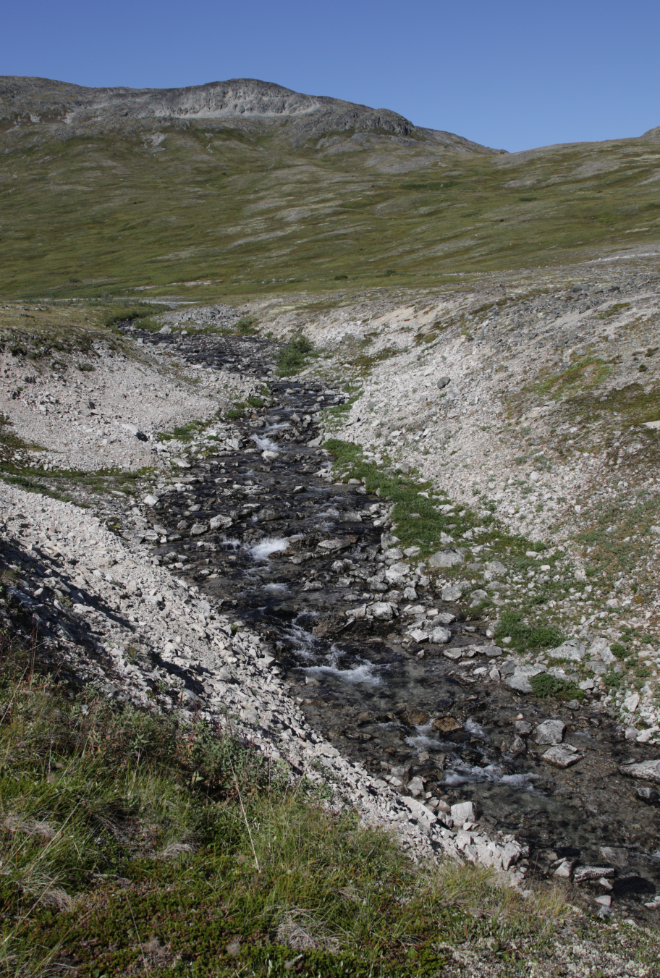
<point x="293" y="356"/>
<point x="254" y="401"/>
<point x="524" y="636"/>
<point x="619" y="650"/>
<point x="546" y="685"/>
<point x="247" y="326"/>
<point x="86" y="367"/>
<point x="612" y="680"/>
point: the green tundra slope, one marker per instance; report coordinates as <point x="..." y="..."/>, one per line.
<point x="93" y="200"/>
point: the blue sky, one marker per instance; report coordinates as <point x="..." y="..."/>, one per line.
<point x="509" y="74"/>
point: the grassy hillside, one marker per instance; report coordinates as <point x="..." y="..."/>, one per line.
<point x="241" y="212"/>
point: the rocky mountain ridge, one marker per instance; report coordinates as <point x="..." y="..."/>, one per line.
<point x="235" y="103"/>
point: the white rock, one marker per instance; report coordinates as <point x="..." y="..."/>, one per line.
<point x="645" y="770"/>
<point x="446" y="558"/>
<point x="440" y="636"/>
<point x="562" y="756"/>
<point x="573" y="650"/>
<point x="381" y="610"/>
<point x="150" y="500"/>
<point x="631" y="701"/>
<point x="463" y="812"/>
<point x="550" y="732"/>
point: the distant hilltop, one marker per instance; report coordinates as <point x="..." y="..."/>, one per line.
<point x="237" y="103"/>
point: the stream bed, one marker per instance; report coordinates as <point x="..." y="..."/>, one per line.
<point x="290" y="552"/>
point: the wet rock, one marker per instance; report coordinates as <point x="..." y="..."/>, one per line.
<point x="197" y="529"/>
<point x="381" y="610"/>
<point x="417" y="635"/>
<point x="562" y="756"/>
<point x="644" y="770"/>
<point x="648" y="794"/>
<point x="523" y="727"/>
<point x="439" y="636"/>
<point x="446" y="724"/>
<point x="616" y="856"/>
<point x="584" y="874"/>
<point x="220" y="522"/>
<point x="266" y="514"/>
<point x="446" y="558"/>
<point x="312" y="586"/>
<point x="518" y="745"/>
<point x="550" y="732"/>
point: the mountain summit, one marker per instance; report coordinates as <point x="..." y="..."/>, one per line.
<point x="237" y="103"/>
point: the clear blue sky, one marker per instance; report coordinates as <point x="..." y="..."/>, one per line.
<point x="506" y="73"/>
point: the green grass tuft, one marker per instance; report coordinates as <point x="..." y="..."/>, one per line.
<point x="526" y="637"/>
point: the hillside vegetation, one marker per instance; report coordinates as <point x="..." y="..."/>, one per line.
<point x="227" y="208"/>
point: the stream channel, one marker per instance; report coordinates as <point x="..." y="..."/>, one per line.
<point x="295" y="551"/>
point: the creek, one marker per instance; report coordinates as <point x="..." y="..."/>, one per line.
<point x="296" y="550"/>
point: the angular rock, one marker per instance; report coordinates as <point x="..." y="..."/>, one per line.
<point x="562" y="756"/>
<point x="381" y="610"/>
<point x="220" y="522"/>
<point x="523" y="727"/>
<point x="417" y="635"/>
<point x="550" y="732"/>
<point x="617" y="856"/>
<point x="439" y="636"/>
<point x="573" y="650"/>
<point x="631" y="701"/>
<point x="644" y="770"/>
<point x="452" y="593"/>
<point x="197" y="529"/>
<point x="521" y="676"/>
<point x="464" y="811"/>
<point x="446" y="558"/>
<point x="496" y="567"/>
<point x="585" y="873"/>
<point x="443" y="382"/>
<point x="565" y="868"/>
<point x="518" y="745"/>
<point x="396" y="574"/>
<point x="150" y="500"/>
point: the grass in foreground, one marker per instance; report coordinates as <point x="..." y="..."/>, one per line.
<point x="133" y="843"/>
